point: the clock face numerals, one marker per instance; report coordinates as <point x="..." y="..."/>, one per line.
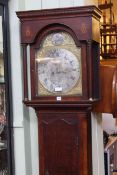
<point x="59" y="71"/>
<point x="58" y="67"/>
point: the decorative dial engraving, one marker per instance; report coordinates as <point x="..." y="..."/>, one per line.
<point x="59" y="66"/>
<point x="57" y="39"/>
<point x="59" y="71"/>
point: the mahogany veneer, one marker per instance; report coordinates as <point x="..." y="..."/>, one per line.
<point x="108" y="77"/>
<point x="64" y="126"/>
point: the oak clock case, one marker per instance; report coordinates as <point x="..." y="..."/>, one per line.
<point x="64" y="83"/>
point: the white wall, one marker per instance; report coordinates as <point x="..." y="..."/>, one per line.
<point x="42" y="4"/>
<point x="109" y="123"/>
<point x="97" y="145"/>
<point x="18" y="119"/>
<point x="25" y="121"/>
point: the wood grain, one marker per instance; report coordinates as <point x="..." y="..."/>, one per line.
<point x="108" y="83"/>
<point x="64" y="126"/>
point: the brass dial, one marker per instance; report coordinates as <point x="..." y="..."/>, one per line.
<point x="59" y="66"/>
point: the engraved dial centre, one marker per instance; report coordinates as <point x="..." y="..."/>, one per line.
<point x="59" y="70"/>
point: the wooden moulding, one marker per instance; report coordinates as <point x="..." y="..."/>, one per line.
<point x="108" y="88"/>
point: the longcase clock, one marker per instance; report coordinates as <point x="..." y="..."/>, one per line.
<point x="63" y="45"/>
